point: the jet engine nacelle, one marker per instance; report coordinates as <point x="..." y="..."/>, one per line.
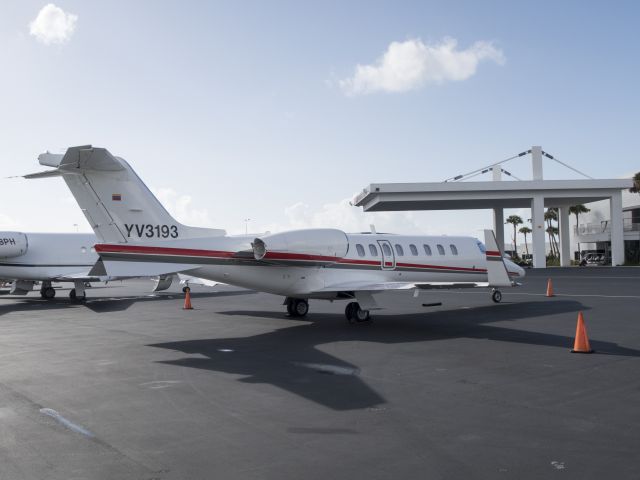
<point x="315" y="245"/>
<point x="13" y="244"/>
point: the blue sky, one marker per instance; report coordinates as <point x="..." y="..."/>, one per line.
<point x="238" y="110"/>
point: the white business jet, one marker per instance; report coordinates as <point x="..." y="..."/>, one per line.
<point x="138" y="237"/>
<point x="28" y="258"/>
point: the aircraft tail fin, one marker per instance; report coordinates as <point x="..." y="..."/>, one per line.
<point x="497" y="273"/>
<point x="118" y="205"/>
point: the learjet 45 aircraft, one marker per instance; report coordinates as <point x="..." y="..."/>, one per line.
<point x="138" y="237"/>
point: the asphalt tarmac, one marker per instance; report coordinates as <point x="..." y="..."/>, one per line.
<point x="130" y="386"/>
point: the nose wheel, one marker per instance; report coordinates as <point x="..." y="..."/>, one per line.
<point x="496" y="295"/>
<point x="355" y="314"/>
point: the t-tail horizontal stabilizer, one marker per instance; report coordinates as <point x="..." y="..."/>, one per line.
<point x="497" y="273"/>
<point x="116" y="202"/>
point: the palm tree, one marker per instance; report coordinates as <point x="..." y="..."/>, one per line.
<point x="636" y="184"/>
<point x="514" y="220"/>
<point x="577" y="210"/>
<point x="525" y="231"/>
<point x="550" y="215"/>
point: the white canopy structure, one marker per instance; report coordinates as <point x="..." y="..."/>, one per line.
<point x="498" y="195"/>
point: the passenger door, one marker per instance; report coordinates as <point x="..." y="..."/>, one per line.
<point x="388" y="257"/>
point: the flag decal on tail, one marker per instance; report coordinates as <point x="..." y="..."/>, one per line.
<point x="116" y="197"/>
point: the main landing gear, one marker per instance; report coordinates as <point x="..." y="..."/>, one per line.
<point x="297" y="307"/>
<point x="355" y="314"/>
<point x="496" y="295"/>
<point x="77" y="294"/>
<point x="47" y="291"/>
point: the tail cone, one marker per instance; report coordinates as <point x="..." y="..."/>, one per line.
<point x="581" y="343"/>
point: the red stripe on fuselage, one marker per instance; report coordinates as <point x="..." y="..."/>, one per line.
<point x="102" y="248"/>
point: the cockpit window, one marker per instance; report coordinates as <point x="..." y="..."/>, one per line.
<point x="481" y="246"/>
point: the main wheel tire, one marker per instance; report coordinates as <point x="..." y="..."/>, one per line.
<point x="355" y="314"/>
<point x="72" y="294"/>
<point x="349" y="312"/>
<point x="290" y="311"/>
<point x="361" y="315"/>
<point x="48" y="293"/>
<point x="300" y="307"/>
<point x="496" y="296"/>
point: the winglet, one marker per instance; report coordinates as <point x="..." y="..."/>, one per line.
<point x="496" y="269"/>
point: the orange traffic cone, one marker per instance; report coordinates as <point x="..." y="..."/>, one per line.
<point x="549" y="288"/>
<point x="581" y="343"/>
<point x="187" y="299"/>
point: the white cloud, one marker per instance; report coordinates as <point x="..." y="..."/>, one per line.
<point x="182" y="209"/>
<point x="412" y="64"/>
<point x="53" y="25"/>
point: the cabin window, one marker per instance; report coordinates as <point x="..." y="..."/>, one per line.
<point x="454" y="249"/>
<point x="360" y="250"/>
<point x="386" y="249"/>
<point x="427" y="249"/>
<point x="399" y="250"/>
<point x="440" y="249"/>
<point x="373" y="250"/>
<point x="414" y="250"/>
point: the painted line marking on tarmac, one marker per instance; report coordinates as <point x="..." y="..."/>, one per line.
<point x="65" y="422"/>
<point x="333" y="369"/>
<point x="589" y="277"/>
<point x="577" y="295"/>
<point x="555" y="295"/>
<point x="158" y="384"/>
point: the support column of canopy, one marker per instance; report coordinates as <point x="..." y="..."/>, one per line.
<point x="537" y="235"/>
<point x="498" y="227"/>
<point x="617" y="229"/>
<point x="565" y="243"/>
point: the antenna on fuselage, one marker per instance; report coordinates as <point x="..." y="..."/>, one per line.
<point x="372" y="227"/>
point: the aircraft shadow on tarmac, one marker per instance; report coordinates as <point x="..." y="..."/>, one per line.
<point x="289" y="358"/>
<point x="107" y="304"/>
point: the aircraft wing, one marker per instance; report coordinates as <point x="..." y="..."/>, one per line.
<point x="388" y="286"/>
<point x="363" y="292"/>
